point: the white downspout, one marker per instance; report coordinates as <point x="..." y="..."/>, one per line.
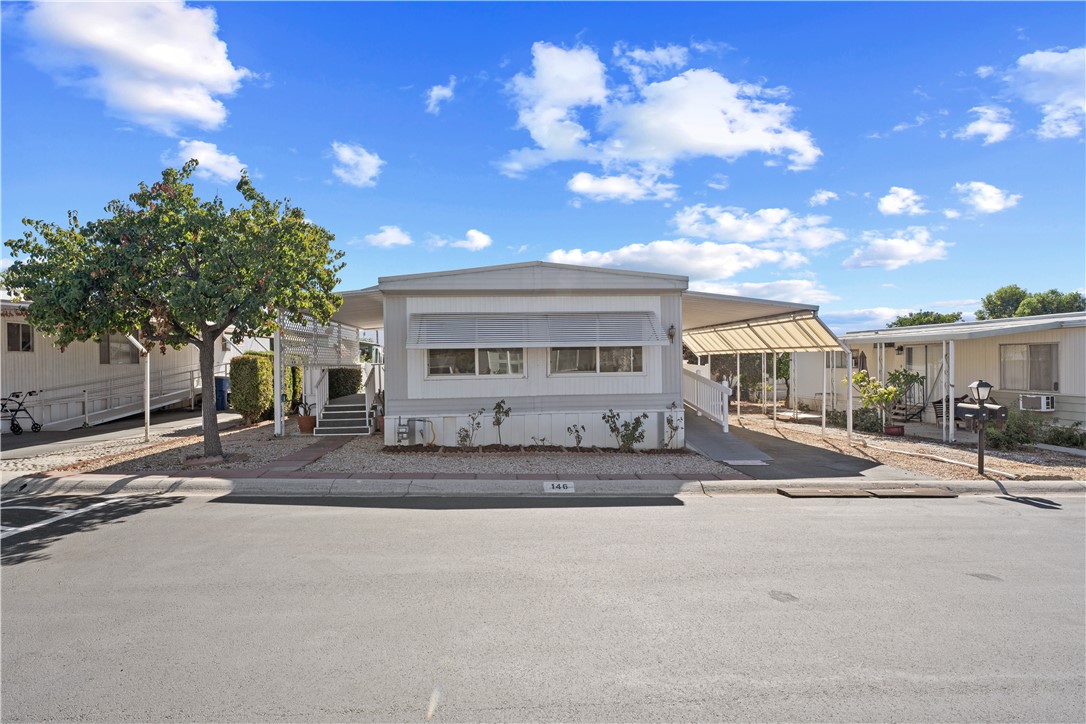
<point x="146" y="387"/>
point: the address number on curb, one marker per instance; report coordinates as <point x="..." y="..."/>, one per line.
<point x="557" y="487"/>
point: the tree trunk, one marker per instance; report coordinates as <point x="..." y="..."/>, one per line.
<point x="212" y="443"/>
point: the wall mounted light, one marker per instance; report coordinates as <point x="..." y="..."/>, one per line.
<point x="671" y="333"/>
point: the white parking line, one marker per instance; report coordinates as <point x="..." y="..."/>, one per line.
<point x="54" y="519"/>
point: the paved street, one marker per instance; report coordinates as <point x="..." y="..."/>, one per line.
<point x="737" y="608"/>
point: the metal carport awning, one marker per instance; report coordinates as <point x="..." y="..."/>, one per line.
<point x="535" y="329"/>
<point x="799" y="331"/>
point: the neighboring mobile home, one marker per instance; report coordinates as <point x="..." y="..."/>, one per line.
<point x="96" y="381"/>
<point x="1035" y="363"/>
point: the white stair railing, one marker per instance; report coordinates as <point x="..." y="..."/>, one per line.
<point x="706" y="397"/>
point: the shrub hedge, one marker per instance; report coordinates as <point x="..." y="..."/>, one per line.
<point x="292" y="379"/>
<point x="251" y="386"/>
<point x="343" y="381"/>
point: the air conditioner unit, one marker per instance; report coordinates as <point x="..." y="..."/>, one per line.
<point x="1037" y="403"/>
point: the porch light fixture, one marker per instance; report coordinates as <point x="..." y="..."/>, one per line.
<point x="671" y="333"/>
<point x="980" y="391"/>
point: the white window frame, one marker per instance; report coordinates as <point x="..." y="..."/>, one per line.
<point x="1028" y="345"/>
<point x="574" y="373"/>
<point x="19" y="340"/>
<point x="106" y="350"/>
<point x="476" y="374"/>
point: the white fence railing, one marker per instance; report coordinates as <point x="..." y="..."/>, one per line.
<point x="706" y="397"/>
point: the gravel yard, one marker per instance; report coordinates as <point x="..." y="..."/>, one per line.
<point x="364" y="455"/>
<point x="256" y="447"/>
<point x="905" y="453"/>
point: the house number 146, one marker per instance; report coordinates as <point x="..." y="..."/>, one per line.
<point x="557" y="487"/>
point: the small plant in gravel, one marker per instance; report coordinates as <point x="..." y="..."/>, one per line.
<point x="465" y="436"/>
<point x="673" y="427"/>
<point x="501" y="413"/>
<point x="577" y="433"/>
<point x="540" y="441"/>
<point x="1073" y="436"/>
<point x="862" y="420"/>
<point x="628" y="432"/>
<point x="1022" y="429"/>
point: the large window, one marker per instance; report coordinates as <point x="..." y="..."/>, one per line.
<point x="115" y="349"/>
<point x="20" y="337"/>
<point x="607" y="360"/>
<point x="473" y="362"/>
<point x="1029" y="367"/>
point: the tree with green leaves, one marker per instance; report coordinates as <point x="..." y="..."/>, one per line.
<point x="1001" y="303"/>
<point x="173" y="270"/>
<point x="913" y="319"/>
<point x="1051" y="302"/>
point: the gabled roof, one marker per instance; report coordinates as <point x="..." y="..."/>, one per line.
<point x="533" y="277"/>
<point x="967" y="330"/>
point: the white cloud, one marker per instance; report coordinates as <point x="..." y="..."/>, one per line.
<point x="906" y="125"/>
<point x="803" y="291"/>
<point x="158" y="64"/>
<point x="985" y="198"/>
<point x="642" y="64"/>
<point x="900" y="201"/>
<point x="474" y="240"/>
<point x="1056" y="82"/>
<point x="776" y="228"/>
<point x="214" y="164"/>
<point x="951" y="213"/>
<point x="389" y="237"/>
<point x="851" y="320"/>
<point x="646" y="129"/>
<point x="718" y="181"/>
<point x="822" y="197"/>
<point x="993" y="123"/>
<point x="706" y="260"/>
<point x="911" y="246"/>
<point x="438" y="94"/>
<point x="625" y="188"/>
<point x="355" y="165"/>
<point x="984" y="71"/>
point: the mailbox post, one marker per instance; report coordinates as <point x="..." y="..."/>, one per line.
<point x="980" y="391"/>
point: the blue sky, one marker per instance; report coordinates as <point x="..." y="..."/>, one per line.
<point x="870" y="158"/>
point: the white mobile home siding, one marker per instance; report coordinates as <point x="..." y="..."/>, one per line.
<point x="543" y="405"/>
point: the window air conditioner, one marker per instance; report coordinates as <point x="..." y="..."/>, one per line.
<point x="1037" y="403"/>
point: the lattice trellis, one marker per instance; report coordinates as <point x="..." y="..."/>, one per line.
<point x="321" y="345"/>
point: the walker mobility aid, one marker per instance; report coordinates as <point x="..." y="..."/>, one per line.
<point x="14" y="406"/>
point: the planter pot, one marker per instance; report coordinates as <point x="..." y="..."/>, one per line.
<point x="306" y="424"/>
<point x="894" y="430"/>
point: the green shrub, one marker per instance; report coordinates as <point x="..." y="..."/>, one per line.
<point x="1023" y="428"/>
<point x="1073" y="436"/>
<point x="292" y="379"/>
<point x="251" y="386"/>
<point x="343" y="381"/>
<point x="863" y="420"/>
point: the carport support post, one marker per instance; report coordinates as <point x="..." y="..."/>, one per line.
<point x="825" y="360"/>
<point x="848" y="409"/>
<point x="774" y="390"/>
<point x="944" y="390"/>
<point x="146" y="387"/>
<point x="277" y="379"/>
<point x="949" y="413"/>
<point x="738" y="393"/>
<point x="763" y="390"/>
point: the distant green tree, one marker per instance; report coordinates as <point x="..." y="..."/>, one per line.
<point x="1051" y="302"/>
<point x="176" y="270"/>
<point x="1002" y="303"/>
<point x="913" y="319"/>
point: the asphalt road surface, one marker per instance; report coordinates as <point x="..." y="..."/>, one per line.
<point x="738" y="608"/>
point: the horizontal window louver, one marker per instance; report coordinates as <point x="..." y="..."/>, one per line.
<point x="541" y="329"/>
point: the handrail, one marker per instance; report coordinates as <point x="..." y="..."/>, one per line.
<point x="706" y="397"/>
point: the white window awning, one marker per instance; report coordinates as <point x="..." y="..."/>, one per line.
<point x="541" y="329"/>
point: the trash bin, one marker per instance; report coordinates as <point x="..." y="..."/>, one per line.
<point x="222" y="393"/>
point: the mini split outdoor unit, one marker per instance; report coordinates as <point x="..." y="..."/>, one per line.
<point x="1037" y="403"/>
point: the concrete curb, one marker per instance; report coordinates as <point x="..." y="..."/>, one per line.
<point x="89" y="484"/>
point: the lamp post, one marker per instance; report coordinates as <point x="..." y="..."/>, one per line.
<point x="980" y="391"/>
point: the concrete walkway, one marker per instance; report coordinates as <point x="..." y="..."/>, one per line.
<point x="706" y="437"/>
